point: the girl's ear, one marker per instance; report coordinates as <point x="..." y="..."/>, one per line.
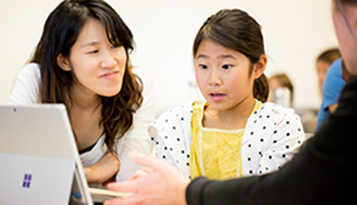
<point x="63" y="62"/>
<point x="260" y="66"/>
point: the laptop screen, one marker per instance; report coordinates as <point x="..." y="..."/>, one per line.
<point x="38" y="157"/>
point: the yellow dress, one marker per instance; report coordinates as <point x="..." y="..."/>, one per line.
<point x="215" y="153"/>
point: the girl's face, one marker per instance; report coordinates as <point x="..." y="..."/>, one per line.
<point x="222" y="75"/>
<point x="98" y="66"/>
<point x="322" y="68"/>
<point x="346" y="33"/>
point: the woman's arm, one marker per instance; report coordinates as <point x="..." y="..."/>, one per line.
<point x="103" y="171"/>
<point x="137" y="138"/>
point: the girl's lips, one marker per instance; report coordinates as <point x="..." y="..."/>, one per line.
<point x="216" y="97"/>
<point x="110" y="75"/>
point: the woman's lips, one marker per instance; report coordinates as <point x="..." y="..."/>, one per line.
<point x="110" y="75"/>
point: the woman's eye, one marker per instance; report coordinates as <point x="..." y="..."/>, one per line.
<point x="93" y="51"/>
<point x="116" y="46"/>
<point x="227" y="66"/>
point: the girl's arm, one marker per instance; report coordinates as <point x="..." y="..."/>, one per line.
<point x="171" y="133"/>
<point x="285" y="139"/>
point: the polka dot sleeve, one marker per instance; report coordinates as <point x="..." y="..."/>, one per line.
<point x="171" y="133"/>
<point x="274" y="135"/>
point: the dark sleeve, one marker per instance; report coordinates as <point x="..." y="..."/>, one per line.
<point x="322" y="172"/>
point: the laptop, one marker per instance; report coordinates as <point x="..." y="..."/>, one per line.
<point x="39" y="159"/>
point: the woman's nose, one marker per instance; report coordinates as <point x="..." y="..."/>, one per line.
<point x="108" y="60"/>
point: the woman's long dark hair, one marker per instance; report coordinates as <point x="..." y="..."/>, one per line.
<point x="60" y="33"/>
<point x="236" y="30"/>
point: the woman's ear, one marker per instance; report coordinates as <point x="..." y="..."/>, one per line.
<point x="353" y="18"/>
<point x="260" y="66"/>
<point x="63" y="62"/>
<point x="350" y="13"/>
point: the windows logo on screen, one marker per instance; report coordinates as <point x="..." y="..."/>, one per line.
<point x="27" y="181"/>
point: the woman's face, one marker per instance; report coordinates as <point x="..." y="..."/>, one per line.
<point x="346" y="33"/>
<point x="98" y="66"/>
<point x="222" y="75"/>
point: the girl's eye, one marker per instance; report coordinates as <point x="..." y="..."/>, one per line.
<point x="203" y="66"/>
<point x="226" y="66"/>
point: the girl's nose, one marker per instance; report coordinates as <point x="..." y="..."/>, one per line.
<point x="215" y="78"/>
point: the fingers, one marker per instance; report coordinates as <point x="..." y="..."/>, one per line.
<point x="128" y="201"/>
<point x="127" y="186"/>
<point x="138" y="173"/>
<point x="145" y="160"/>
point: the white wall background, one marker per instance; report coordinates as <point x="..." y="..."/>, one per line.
<point x="295" y="32"/>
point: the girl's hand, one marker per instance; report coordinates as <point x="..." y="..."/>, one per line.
<point x="104" y="171"/>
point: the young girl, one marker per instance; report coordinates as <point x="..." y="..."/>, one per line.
<point x="323" y="63"/>
<point x="319" y="174"/>
<point x="82" y="60"/>
<point x="280" y="80"/>
<point x="234" y="133"/>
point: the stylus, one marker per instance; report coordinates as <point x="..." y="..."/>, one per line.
<point x="77" y="195"/>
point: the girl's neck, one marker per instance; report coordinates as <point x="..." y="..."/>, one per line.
<point x="231" y="119"/>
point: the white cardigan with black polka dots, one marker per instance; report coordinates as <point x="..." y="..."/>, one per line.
<point x="271" y="137"/>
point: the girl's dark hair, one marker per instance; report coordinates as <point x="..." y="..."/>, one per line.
<point x="236" y="30"/>
<point x="60" y="33"/>
<point x="329" y="56"/>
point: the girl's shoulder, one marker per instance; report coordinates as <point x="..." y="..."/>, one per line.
<point x="271" y="112"/>
<point x="177" y="119"/>
<point x="272" y="118"/>
<point x="274" y="109"/>
<point x="180" y="113"/>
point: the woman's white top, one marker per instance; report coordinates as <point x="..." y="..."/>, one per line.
<point x="272" y="135"/>
<point x="26" y="91"/>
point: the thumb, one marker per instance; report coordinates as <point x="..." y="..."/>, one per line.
<point x="145" y="160"/>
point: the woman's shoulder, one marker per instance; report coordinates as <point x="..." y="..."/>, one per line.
<point x="26" y="87"/>
<point x="147" y="82"/>
<point x="143" y="74"/>
<point x="30" y="70"/>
